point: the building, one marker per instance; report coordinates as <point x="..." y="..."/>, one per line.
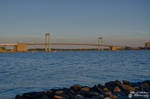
<point x="147" y="45"/>
<point x="3" y="49"/>
<point x="113" y="48"/>
<point x="20" y="47"/>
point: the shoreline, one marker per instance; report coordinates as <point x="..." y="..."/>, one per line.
<point x="65" y="50"/>
<point x="110" y="90"/>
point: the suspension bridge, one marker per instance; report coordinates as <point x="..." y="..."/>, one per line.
<point x="22" y="47"/>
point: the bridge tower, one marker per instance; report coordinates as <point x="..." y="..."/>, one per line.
<point x="47" y="42"/>
<point x="100" y="43"/>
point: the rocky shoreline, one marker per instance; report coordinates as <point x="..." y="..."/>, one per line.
<point x="110" y="90"/>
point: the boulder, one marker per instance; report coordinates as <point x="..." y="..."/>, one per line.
<point x="116" y="89"/>
<point x="59" y="92"/>
<point x="127" y="87"/>
<point x="125" y="82"/>
<point x="57" y="97"/>
<point x="79" y="96"/>
<point x="85" y="89"/>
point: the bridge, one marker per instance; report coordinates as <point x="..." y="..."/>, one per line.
<point x="8" y="44"/>
<point x="22" y="47"/>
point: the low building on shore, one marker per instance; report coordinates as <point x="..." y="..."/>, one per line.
<point x="147" y="45"/>
<point x="20" y="47"/>
<point x="3" y="49"/>
<point x="117" y="48"/>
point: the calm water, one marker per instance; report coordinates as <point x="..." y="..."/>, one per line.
<point x="24" y="72"/>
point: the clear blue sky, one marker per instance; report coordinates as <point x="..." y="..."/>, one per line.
<point x="118" y="21"/>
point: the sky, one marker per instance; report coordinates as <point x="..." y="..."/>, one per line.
<point x="120" y="22"/>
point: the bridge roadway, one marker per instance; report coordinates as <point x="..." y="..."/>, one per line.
<point x="23" y="46"/>
<point x="8" y="44"/>
<point x="68" y="44"/>
<point x="13" y="44"/>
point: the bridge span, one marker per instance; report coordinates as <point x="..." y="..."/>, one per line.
<point x="19" y="47"/>
<point x="87" y="44"/>
<point x="8" y="44"/>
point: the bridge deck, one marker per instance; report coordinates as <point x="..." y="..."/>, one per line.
<point x="12" y="44"/>
<point x="67" y="44"/>
<point x="8" y="44"/>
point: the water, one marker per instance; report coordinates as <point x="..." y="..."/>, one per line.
<point x="25" y="72"/>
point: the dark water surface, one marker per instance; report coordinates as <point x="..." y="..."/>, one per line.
<point x="25" y="72"/>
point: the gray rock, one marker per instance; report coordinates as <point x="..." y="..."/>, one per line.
<point x="44" y="97"/>
<point x="79" y="97"/>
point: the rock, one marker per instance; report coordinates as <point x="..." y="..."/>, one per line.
<point x="111" y="85"/>
<point x="117" y="82"/>
<point x="97" y="88"/>
<point x="101" y="95"/>
<point x="96" y="97"/>
<point x="147" y="81"/>
<point x="127" y="87"/>
<point x="135" y="84"/>
<point x="76" y="86"/>
<point x="107" y="98"/>
<point x="84" y="93"/>
<point x="125" y="82"/>
<point x="72" y="92"/>
<point x="100" y="86"/>
<point x="66" y="90"/>
<point x="109" y="93"/>
<point x="111" y="90"/>
<point x="57" y="97"/>
<point x="145" y="84"/>
<point x="116" y="89"/>
<point x="19" y="97"/>
<point x="79" y="97"/>
<point x="32" y="95"/>
<point x="59" y="92"/>
<point x="43" y="97"/>
<point x="114" y="97"/>
<point x="136" y="87"/>
<point x="48" y="91"/>
<point x="85" y="89"/>
<point x="94" y="93"/>
<point x="105" y="89"/>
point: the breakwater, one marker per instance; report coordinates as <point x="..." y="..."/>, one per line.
<point x="110" y="90"/>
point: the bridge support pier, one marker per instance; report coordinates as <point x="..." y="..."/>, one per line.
<point x="3" y="49"/>
<point x="20" y="47"/>
<point x="113" y="48"/>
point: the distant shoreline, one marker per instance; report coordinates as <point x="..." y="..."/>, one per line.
<point x="55" y="50"/>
